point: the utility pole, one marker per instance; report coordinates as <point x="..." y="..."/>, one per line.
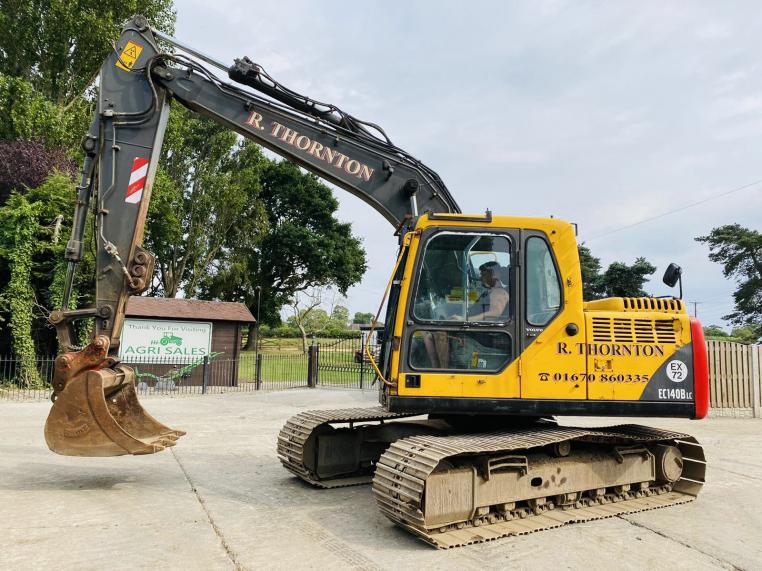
<point x="695" y="307"/>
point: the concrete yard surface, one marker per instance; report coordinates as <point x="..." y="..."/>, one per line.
<point x="221" y="500"/>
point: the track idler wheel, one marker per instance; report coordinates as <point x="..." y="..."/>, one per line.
<point x="669" y="463"/>
<point x="96" y="411"/>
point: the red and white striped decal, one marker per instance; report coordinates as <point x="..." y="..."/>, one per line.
<point x="137" y="180"/>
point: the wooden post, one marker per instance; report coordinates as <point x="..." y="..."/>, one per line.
<point x="312" y="365"/>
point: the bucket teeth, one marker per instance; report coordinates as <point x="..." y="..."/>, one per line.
<point x="85" y="422"/>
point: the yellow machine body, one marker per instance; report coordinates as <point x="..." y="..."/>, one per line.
<point x="615" y="351"/>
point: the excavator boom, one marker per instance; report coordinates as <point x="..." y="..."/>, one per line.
<point x="94" y="398"/>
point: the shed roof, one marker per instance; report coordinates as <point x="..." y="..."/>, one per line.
<point x="163" y="307"/>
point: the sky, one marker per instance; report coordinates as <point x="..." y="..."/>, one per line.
<point x="604" y="114"/>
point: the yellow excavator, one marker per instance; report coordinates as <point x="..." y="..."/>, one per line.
<point x="486" y="334"/>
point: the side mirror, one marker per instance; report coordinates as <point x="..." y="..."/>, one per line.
<point x="673" y="275"/>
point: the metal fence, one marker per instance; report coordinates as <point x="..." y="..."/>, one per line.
<point x="343" y="363"/>
<point x="334" y="362"/>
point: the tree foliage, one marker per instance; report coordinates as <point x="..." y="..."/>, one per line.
<point x="58" y="45"/>
<point x="591" y="273"/>
<point x="304" y="246"/>
<point x="49" y="53"/>
<point x="741" y="334"/>
<point x="619" y="279"/>
<point x="339" y="318"/>
<point x="745" y="334"/>
<point x="45" y="214"/>
<point x="363" y="318"/>
<point x="204" y="202"/>
<point x="714" y="331"/>
<point x="310" y="317"/>
<point x="17" y="234"/>
<point x="26" y="164"/>
<point x="739" y="250"/>
<point x="26" y="114"/>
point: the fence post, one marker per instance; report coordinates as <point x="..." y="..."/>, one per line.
<point x="206" y="375"/>
<point x="258" y="374"/>
<point x="756" y="379"/>
<point x="312" y="365"/>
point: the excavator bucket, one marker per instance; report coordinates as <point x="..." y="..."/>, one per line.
<point x="96" y="411"/>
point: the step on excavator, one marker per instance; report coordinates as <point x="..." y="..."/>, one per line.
<point x="486" y="336"/>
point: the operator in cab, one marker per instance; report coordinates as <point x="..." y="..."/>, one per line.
<point x="492" y="304"/>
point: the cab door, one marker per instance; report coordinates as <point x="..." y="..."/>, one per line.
<point x="459" y="339"/>
<point x="552" y="362"/>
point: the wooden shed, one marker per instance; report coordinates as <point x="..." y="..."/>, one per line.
<point x="162" y="336"/>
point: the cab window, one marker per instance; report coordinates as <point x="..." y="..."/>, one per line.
<point x="450" y="350"/>
<point x="464" y="278"/>
<point x="543" y="294"/>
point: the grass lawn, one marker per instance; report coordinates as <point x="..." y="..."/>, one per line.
<point x="294" y="344"/>
<point x="335" y="366"/>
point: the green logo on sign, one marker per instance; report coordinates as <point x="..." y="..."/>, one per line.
<point x="168" y="338"/>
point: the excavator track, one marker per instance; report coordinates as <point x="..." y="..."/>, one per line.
<point x="296" y="442"/>
<point x="412" y="467"/>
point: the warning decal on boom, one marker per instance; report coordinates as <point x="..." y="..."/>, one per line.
<point x="129" y="56"/>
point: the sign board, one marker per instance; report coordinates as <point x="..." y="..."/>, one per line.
<point x="158" y="341"/>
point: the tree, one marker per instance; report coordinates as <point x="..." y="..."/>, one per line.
<point x="714" y="331"/>
<point x="27" y="164"/>
<point x="619" y="279"/>
<point x="739" y="250"/>
<point x="363" y="318"/>
<point x="27" y="115"/>
<point x="58" y="46"/>
<point x="304" y="246"/>
<point x="30" y="250"/>
<point x="591" y="270"/>
<point x="339" y="318"/>
<point x="18" y="237"/>
<point x="310" y="317"/>
<point x="745" y="334"/>
<point x="307" y="315"/>
<point x="204" y="201"/>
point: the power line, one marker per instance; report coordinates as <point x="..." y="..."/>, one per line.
<point x="718" y="303"/>
<point x="663" y="214"/>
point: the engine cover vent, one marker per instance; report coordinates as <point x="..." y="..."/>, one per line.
<point x="637" y="304"/>
<point x="652" y="304"/>
<point x="628" y="330"/>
